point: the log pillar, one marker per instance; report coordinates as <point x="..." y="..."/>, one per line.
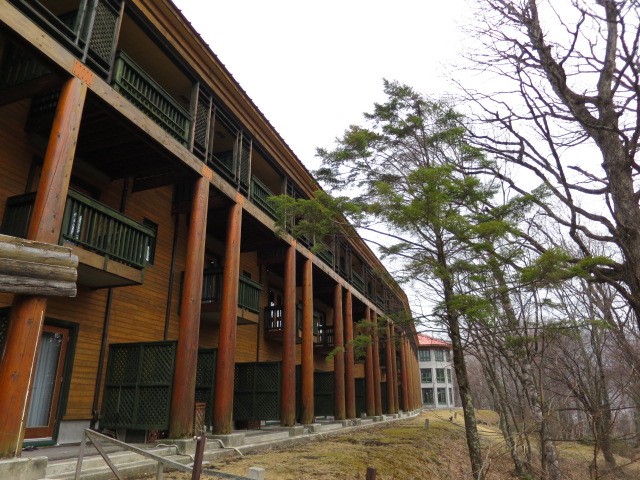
<point x="406" y="401"/>
<point x="27" y="311"/>
<point x="288" y="390"/>
<point x="339" y="409"/>
<point x="306" y="381"/>
<point x="369" y="390"/>
<point x="394" y="371"/>
<point x="377" y="393"/>
<point x="226" y="361"/>
<point x="391" y="398"/>
<point x="184" y="384"/>
<point x="349" y="362"/>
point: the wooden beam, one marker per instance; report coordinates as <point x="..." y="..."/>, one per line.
<point x="338" y="358"/>
<point x="349" y="361"/>
<point x="184" y="385"/>
<point x="26" y="318"/>
<point x="394" y="371"/>
<point x="42" y="271"/>
<point x="288" y="393"/>
<point x="36" y="286"/>
<point x="391" y="398"/>
<point x="225" y="365"/>
<point x="375" y="347"/>
<point x="369" y="390"/>
<point x="306" y="380"/>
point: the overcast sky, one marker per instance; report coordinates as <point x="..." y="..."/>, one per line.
<point x="312" y="68"/>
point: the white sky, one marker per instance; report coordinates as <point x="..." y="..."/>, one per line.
<point x="312" y="68"/>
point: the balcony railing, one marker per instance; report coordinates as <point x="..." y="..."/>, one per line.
<point x="357" y="281"/>
<point x="273" y="319"/>
<point x="326" y="255"/>
<point x="248" y="291"/>
<point x="259" y="195"/>
<point x="90" y="224"/>
<point x="146" y="94"/>
<point x="380" y="301"/>
<point x="325" y="336"/>
<point x="88" y="32"/>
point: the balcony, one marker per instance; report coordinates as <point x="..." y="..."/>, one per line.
<point x="249" y="293"/>
<point x="259" y="195"/>
<point x="146" y="94"/>
<point x="112" y="248"/>
<point x="87" y="30"/>
<point x="357" y="281"/>
<point x="274" y="326"/>
<point x="325" y="339"/>
<point x="326" y="255"/>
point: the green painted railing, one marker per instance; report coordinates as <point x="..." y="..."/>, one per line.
<point x="249" y="294"/>
<point x="357" y="281"/>
<point x="146" y="94"/>
<point x="325" y="336"/>
<point x="248" y="291"/>
<point x="326" y="255"/>
<point x="259" y="194"/>
<point x="90" y="224"/>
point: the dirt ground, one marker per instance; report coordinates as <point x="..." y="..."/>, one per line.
<point x="400" y="450"/>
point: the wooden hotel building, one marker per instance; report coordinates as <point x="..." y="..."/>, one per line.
<point x="125" y="139"/>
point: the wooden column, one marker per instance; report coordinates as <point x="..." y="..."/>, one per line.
<point x="394" y="371"/>
<point x="369" y="390"/>
<point x="377" y="393"/>
<point x="404" y="375"/>
<point x="184" y="383"/>
<point x="226" y="361"/>
<point x="27" y="311"/>
<point x="349" y="363"/>
<point x="339" y="408"/>
<point x="288" y="390"/>
<point x="391" y="398"/>
<point x="306" y="381"/>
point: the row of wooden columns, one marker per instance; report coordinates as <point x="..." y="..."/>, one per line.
<point x="28" y="312"/>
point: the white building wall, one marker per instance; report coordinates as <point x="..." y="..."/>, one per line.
<point x="436" y="360"/>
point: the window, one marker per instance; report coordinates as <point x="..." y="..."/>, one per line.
<point x="442" y="396"/>
<point x="439" y="356"/>
<point x="426" y="375"/>
<point x="440" y="375"/>
<point x="451" y="396"/>
<point x="449" y="375"/>
<point x="424" y="355"/>
<point x="447" y="355"/>
<point x="427" y="396"/>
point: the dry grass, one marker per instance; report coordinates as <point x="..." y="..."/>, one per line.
<point x="400" y="450"/>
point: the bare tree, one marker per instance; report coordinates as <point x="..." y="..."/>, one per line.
<point x="565" y="109"/>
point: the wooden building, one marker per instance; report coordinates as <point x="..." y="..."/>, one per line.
<point x="124" y="138"/>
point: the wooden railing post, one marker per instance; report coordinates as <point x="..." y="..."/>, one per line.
<point x="27" y="311"/>
<point x="184" y="385"/>
<point x="225" y="365"/>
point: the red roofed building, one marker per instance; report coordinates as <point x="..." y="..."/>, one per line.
<point x="436" y="372"/>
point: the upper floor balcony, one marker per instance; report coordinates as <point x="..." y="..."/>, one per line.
<point x="112" y="248"/>
<point x="249" y="293"/>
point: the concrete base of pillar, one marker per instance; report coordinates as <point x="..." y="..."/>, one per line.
<point x="230" y="440"/>
<point x="357" y="421"/>
<point x="314" y="427"/>
<point x="32" y="468"/>
<point x="185" y="446"/>
<point x="345" y="423"/>
<point x="378" y="418"/>
<point x="294" y="431"/>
